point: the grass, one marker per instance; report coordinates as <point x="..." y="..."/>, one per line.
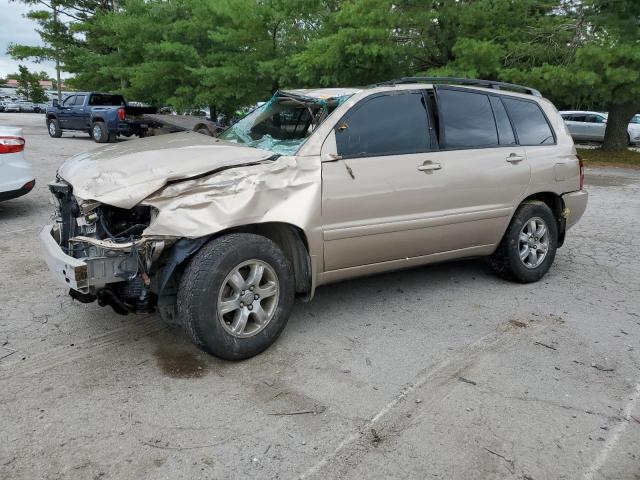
<point x="598" y="158"/>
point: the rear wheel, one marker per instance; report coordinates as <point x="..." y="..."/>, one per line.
<point x="100" y="133"/>
<point x="53" y="126"/>
<point x="236" y="295"/>
<point x="529" y="245"/>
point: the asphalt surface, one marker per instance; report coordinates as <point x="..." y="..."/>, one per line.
<point x="439" y="372"/>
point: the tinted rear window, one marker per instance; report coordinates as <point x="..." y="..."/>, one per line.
<point x="385" y="125"/>
<point x="106" y="100"/>
<point x="467" y="119"/>
<point x="530" y="123"/>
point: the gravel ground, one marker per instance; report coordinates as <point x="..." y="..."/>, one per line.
<point x="437" y="372"/>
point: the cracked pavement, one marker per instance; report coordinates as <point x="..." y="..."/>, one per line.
<point x="438" y="372"/>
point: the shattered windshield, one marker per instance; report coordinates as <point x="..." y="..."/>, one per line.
<point x="282" y="124"/>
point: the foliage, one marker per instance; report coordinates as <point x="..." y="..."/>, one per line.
<point x="594" y="157"/>
<point x="231" y="53"/>
<point x="29" y="86"/>
<point x="56" y="27"/>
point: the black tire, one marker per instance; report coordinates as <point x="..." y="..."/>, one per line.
<point x="53" y="127"/>
<point x="506" y="260"/>
<point x="200" y="288"/>
<point x="100" y="133"/>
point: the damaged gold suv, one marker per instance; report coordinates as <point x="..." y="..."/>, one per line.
<point x="315" y="186"/>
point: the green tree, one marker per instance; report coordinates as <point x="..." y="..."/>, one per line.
<point x="579" y="53"/>
<point x="55" y="20"/>
<point x="609" y="65"/>
<point x="191" y="53"/>
<point x="29" y="86"/>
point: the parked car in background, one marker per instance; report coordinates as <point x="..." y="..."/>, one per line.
<point x="590" y="126"/>
<point x="636" y="119"/>
<point x="104" y="116"/>
<point x="315" y="186"/>
<point x="16" y="175"/>
<point x="27" y="107"/>
<point x="12" y="107"/>
<point x="40" y="107"/>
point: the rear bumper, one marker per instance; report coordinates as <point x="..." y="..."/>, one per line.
<point x="135" y="126"/>
<point x="575" y="204"/>
<point x="26" y="188"/>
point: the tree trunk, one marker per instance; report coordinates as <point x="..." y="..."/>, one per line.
<point x="616" y="137"/>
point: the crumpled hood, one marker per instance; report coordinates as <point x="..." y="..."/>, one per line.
<point x="126" y="173"/>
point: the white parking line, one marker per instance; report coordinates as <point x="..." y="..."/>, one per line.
<point x="615" y="436"/>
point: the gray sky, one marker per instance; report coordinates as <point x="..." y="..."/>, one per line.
<point x="14" y="28"/>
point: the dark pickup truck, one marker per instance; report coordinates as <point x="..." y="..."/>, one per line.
<point x="103" y="116"/>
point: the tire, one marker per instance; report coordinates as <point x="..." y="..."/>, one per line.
<point x="100" y="133"/>
<point x="507" y="261"/>
<point x="209" y="280"/>
<point x="53" y="127"/>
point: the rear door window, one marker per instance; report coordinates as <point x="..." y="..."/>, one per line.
<point x="466" y="119"/>
<point x="385" y="124"/>
<point x="530" y="123"/>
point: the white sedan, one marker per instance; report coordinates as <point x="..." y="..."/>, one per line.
<point x="16" y="175"/>
<point x="590" y="126"/>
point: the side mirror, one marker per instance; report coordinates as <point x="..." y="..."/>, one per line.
<point x="54" y="102"/>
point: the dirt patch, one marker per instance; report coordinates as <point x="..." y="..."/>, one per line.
<point x="180" y="361"/>
<point x="518" y="324"/>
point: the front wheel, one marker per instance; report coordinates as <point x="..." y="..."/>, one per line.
<point x="236" y="295"/>
<point x="529" y="245"/>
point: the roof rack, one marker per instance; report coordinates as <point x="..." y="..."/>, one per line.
<point x="463" y="81"/>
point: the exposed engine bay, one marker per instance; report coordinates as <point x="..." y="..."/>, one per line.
<point x="109" y="238"/>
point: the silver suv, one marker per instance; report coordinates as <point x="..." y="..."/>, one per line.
<point x="315" y="186"/>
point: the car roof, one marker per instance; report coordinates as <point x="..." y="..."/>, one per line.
<point x="326" y="93"/>
<point x="581" y="112"/>
<point x="323" y="93"/>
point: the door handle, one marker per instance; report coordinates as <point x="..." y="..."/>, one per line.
<point x="429" y="166"/>
<point x="515" y="158"/>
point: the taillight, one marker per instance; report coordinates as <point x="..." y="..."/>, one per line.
<point x="11" y="144"/>
<point x="581" y="164"/>
<point x="121" y="114"/>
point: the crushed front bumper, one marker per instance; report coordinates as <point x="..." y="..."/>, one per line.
<point x="85" y="275"/>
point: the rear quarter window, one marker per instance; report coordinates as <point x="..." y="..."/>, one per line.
<point x="532" y="127"/>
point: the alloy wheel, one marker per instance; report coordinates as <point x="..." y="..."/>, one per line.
<point x="533" y="242"/>
<point x="248" y="298"/>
